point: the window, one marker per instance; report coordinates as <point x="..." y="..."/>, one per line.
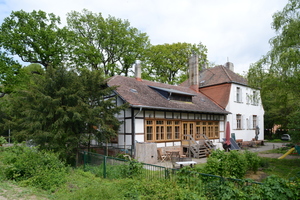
<point x="255" y="98"/>
<point x="238" y="121"/>
<point x="172" y="130"/>
<point x="239" y="94"/>
<point x="160" y="133"/>
<point x="149" y="130"/>
<point x="169" y="130"/>
<point x="176" y="130"/>
<point x="254" y="121"/>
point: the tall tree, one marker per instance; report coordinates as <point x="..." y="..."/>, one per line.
<point x="35" y="37"/>
<point x="107" y="44"/>
<point x="278" y="72"/>
<point x="168" y="63"/>
<point x="59" y="110"/>
<point x="9" y="73"/>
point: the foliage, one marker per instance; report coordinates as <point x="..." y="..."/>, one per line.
<point x="283" y="168"/>
<point x="277" y="72"/>
<point x="125" y="169"/>
<point x="35" y="37"/>
<point x="182" y="184"/>
<point x="107" y="44"/>
<point x="168" y="63"/>
<point x="2" y="140"/>
<point x="31" y="167"/>
<point x="10" y="190"/>
<point x="253" y="161"/>
<point x="61" y="109"/>
<point x="9" y="73"/>
<point x="279" y="188"/>
<point x="232" y="164"/>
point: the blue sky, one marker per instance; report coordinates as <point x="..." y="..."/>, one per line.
<point x="234" y="30"/>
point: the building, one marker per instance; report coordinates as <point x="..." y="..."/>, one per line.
<point x="162" y="115"/>
<point x="231" y="92"/>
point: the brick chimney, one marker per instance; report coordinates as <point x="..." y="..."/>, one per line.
<point x="138" y="71"/>
<point x="194" y="72"/>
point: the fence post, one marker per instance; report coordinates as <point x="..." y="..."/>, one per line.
<point x="84" y="160"/>
<point x="104" y="167"/>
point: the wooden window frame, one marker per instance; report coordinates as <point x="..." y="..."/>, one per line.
<point x="169" y="130"/>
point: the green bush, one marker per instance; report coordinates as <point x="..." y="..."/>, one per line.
<point x="279" y="188"/>
<point x="253" y="161"/>
<point x="2" y="140"/>
<point x="129" y="169"/>
<point x="232" y="164"/>
<point x="32" y="167"/>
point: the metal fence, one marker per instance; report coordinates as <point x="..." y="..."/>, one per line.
<point x="116" y="168"/>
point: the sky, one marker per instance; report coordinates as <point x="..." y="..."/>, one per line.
<point x="232" y="30"/>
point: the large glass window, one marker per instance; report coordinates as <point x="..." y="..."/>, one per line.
<point x="173" y="130"/>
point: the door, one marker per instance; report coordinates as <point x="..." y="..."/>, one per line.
<point x="188" y="129"/>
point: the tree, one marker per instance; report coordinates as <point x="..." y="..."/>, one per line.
<point x="278" y="72"/>
<point x="9" y="73"/>
<point x="168" y="63"/>
<point x="59" y="110"/>
<point x="110" y="44"/>
<point x="35" y="37"/>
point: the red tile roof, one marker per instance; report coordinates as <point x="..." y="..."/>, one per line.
<point x="219" y="75"/>
<point x="215" y="83"/>
<point x="218" y="93"/>
<point x="139" y="94"/>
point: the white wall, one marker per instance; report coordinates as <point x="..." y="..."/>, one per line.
<point x="247" y="110"/>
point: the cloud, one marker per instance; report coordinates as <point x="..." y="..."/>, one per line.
<point x="232" y="29"/>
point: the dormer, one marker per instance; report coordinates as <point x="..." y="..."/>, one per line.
<point x="173" y="95"/>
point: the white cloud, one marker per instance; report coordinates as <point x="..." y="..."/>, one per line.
<point x="232" y="29"/>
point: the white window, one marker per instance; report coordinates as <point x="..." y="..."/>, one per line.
<point x="255" y="98"/>
<point x="239" y="94"/>
<point x="238" y="121"/>
<point x="254" y="121"/>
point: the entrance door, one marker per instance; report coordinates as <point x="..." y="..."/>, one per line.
<point x="188" y="129"/>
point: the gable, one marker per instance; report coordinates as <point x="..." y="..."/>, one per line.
<point x="219" y="93"/>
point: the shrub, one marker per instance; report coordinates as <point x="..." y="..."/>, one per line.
<point x="278" y="188"/>
<point x="32" y="167"/>
<point x="232" y="164"/>
<point x="253" y="160"/>
<point x="2" y="140"/>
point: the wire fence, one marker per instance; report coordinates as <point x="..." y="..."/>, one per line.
<point x="116" y="168"/>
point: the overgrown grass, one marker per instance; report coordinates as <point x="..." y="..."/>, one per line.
<point x="133" y="183"/>
<point x="284" y="168"/>
<point x="281" y="150"/>
<point x="11" y="190"/>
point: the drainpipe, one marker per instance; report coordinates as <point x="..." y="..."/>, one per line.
<point x="133" y="131"/>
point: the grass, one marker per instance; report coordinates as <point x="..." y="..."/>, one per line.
<point x="85" y="185"/>
<point x="284" y="168"/>
<point x="11" y="190"/>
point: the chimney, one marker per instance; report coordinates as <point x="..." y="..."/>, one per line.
<point x="194" y="72"/>
<point x="138" y="71"/>
<point x="230" y="66"/>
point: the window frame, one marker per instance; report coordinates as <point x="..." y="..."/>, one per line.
<point x="160" y="132"/>
<point x="238" y="121"/>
